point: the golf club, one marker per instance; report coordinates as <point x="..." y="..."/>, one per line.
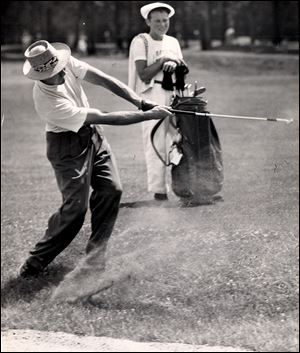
<point x="287" y="121"/>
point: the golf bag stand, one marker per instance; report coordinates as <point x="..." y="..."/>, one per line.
<point x="198" y="177"/>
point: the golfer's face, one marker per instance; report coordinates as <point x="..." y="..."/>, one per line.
<point x="159" y="23"/>
<point x="57" y="79"/>
<point x="61" y="76"/>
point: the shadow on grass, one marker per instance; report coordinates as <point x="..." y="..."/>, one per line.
<point x="162" y="204"/>
<point x="148" y="203"/>
<point x="16" y="289"/>
<point x="130" y="305"/>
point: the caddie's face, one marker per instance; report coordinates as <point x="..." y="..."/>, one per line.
<point x="158" y="22"/>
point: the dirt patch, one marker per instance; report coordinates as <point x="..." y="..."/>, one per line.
<point x="41" y="341"/>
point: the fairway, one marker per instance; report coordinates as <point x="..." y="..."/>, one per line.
<point x="223" y="274"/>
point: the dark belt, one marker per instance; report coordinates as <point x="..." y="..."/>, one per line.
<point x="161" y="82"/>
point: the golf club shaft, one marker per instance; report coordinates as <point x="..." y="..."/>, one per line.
<point x="230" y="116"/>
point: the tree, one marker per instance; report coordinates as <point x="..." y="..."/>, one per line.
<point x="205" y="21"/>
<point x="121" y="20"/>
<point x="276" y="37"/>
<point x="224" y="19"/>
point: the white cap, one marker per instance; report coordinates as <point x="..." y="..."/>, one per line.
<point x="148" y="8"/>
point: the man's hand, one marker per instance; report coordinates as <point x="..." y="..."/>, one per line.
<point x="147" y="104"/>
<point x="159" y="112"/>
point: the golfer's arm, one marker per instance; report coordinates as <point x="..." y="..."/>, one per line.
<point x="95" y="116"/>
<point x="97" y="77"/>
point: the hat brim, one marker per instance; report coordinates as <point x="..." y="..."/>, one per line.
<point x="145" y="10"/>
<point x="63" y="56"/>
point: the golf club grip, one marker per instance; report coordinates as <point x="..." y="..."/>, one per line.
<point x="181" y="111"/>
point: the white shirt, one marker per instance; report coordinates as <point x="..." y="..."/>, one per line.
<point x="156" y="49"/>
<point x="63" y="107"/>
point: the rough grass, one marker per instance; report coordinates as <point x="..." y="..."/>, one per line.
<point x="225" y="274"/>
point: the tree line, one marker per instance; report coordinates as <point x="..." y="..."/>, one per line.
<point x="118" y="21"/>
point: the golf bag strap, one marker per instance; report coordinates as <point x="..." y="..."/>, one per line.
<point x="144" y="38"/>
<point x="152" y="134"/>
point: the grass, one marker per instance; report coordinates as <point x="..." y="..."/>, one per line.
<point x="225" y="274"/>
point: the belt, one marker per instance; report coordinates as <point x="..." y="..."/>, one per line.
<point x="160" y="82"/>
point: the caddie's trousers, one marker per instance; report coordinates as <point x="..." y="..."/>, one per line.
<point x="77" y="166"/>
<point x="156" y="170"/>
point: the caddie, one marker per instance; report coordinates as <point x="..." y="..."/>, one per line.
<point x="151" y="55"/>
<point x="78" y="150"/>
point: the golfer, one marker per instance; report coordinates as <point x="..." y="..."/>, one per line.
<point x="150" y="55"/>
<point x="77" y="149"/>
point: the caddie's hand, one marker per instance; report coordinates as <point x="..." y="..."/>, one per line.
<point x="147" y="104"/>
<point x="160" y="112"/>
<point x="170" y="57"/>
<point x="169" y="66"/>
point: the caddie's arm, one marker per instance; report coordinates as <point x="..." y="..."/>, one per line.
<point x="146" y="73"/>
<point x="95" y="116"/>
<point x="98" y="77"/>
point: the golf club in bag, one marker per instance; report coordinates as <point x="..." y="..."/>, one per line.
<point x="197" y="174"/>
<point x="197" y="169"/>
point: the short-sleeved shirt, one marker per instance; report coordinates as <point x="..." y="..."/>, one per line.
<point x="63" y="107"/>
<point x="151" y="52"/>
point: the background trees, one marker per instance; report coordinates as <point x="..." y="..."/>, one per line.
<point x="119" y="21"/>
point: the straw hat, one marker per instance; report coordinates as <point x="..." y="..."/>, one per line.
<point x="145" y="10"/>
<point x="45" y="60"/>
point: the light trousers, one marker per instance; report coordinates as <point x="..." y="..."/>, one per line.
<point x="156" y="170"/>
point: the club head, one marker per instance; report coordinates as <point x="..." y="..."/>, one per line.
<point x="199" y="91"/>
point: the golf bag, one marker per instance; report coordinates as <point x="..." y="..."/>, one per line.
<point x="198" y="176"/>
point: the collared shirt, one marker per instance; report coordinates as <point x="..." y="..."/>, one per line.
<point x="63" y="107"/>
